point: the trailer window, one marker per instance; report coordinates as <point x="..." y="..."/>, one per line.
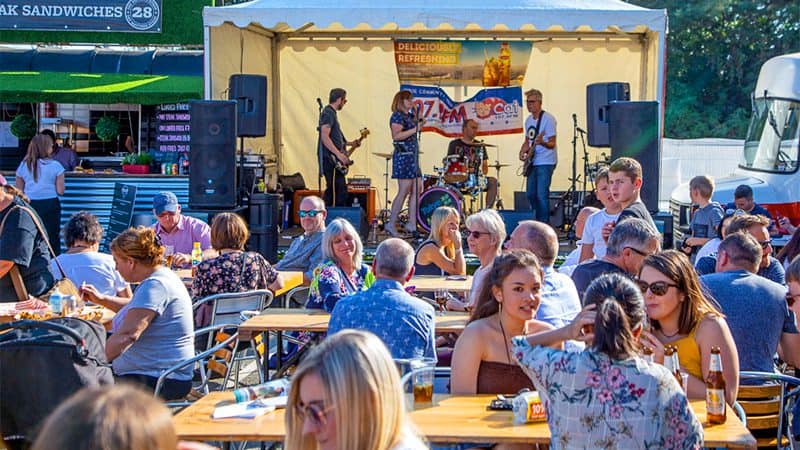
<point x="772" y="140"/>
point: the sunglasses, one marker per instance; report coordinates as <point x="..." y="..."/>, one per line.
<point x="790" y="299"/>
<point x="639" y="252"/>
<point x="475" y="234"/>
<point x="315" y="412"/>
<point x="765" y="244"/>
<point x="657" y="288"/>
<point x="310" y="213"/>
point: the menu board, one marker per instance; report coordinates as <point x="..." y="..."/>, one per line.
<point x="172" y="127"/>
<point x="121" y="212"/>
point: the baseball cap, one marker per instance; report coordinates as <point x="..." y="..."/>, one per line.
<point x="165" y="201"/>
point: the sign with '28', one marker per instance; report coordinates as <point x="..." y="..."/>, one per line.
<point x="138" y="16"/>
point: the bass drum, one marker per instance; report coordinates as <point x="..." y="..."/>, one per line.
<point x="433" y="198"/>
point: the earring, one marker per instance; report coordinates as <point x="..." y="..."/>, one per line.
<point x="499" y="307"/>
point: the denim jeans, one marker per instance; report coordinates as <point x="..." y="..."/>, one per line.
<point x="538" y="191"/>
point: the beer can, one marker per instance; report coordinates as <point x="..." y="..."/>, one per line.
<point x="164" y="169"/>
<point x="174" y="170"/>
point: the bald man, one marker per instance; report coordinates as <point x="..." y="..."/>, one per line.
<point x="305" y="251"/>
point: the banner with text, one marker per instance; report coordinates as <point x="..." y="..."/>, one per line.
<point x="497" y="110"/>
<point x="462" y="63"/>
<point x="141" y="16"/>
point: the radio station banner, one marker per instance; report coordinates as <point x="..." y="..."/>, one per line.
<point x="462" y="63"/>
<point x="139" y="16"/>
<point x="497" y="110"/>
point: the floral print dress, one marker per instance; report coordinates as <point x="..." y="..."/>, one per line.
<point x="593" y="402"/>
<point x="330" y="284"/>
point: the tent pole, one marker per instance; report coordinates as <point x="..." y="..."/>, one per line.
<point x="277" y="145"/>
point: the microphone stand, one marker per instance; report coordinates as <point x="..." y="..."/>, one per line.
<point x="415" y="186"/>
<point x="319" y="150"/>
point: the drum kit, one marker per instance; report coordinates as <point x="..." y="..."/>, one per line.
<point x="457" y="178"/>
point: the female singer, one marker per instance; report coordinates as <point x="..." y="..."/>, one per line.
<point x="404" y="124"/>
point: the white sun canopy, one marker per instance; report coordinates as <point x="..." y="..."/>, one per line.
<point x="307" y="47"/>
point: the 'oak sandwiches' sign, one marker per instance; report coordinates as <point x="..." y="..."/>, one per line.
<point x="138" y="16"/>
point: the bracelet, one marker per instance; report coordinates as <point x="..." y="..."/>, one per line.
<point x="459" y="250"/>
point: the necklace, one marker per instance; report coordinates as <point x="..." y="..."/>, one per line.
<point x="505" y="339"/>
<point x="670" y="336"/>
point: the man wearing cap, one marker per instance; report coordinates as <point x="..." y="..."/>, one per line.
<point x="180" y="231"/>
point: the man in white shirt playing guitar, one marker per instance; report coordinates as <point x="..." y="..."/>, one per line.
<point x="540" y="155"/>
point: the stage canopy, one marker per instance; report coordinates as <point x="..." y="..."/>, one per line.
<point x="307" y="47"/>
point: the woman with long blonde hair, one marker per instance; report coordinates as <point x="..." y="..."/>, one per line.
<point x="346" y="395"/>
<point x="441" y="253"/>
<point x="41" y="178"/>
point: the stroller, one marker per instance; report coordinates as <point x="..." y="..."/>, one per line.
<point x="42" y="363"/>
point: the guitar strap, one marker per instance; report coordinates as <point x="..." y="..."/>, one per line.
<point x="533" y="152"/>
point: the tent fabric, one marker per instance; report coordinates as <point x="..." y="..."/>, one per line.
<point x="570" y="15"/>
<point x="65" y="87"/>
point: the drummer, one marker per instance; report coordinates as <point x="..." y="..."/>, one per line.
<point x="467" y="147"/>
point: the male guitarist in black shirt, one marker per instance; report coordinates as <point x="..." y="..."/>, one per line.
<point x="332" y="150"/>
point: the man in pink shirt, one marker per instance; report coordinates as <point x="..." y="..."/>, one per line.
<point x="178" y="230"/>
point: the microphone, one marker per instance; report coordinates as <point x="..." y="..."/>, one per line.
<point x="580" y="130"/>
<point x="575" y="119"/>
<point x="319" y="102"/>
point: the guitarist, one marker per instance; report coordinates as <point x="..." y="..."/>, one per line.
<point x="332" y="149"/>
<point x="540" y="155"/>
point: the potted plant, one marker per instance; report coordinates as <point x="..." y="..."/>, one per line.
<point x="23" y="126"/>
<point x="137" y="163"/>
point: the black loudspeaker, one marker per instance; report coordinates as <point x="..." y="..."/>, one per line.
<point x="512" y="217"/>
<point x="521" y="202"/>
<point x="598" y="97"/>
<point x="353" y="214"/>
<point x="633" y="128"/>
<point x="250" y="92"/>
<point x="263" y="220"/>
<point x="212" y="156"/>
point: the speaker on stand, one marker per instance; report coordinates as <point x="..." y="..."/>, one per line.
<point x="212" y="155"/>
<point x="633" y="132"/>
<point x="598" y="97"/>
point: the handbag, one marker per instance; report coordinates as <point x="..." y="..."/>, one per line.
<point x="65" y="286"/>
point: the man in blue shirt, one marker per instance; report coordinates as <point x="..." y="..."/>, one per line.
<point x="404" y="323"/>
<point x="305" y="251"/>
<point x="743" y="199"/>
<point x="754" y="307"/>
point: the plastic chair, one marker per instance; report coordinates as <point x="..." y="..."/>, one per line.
<point x="768" y="407"/>
<point x="216" y="359"/>
<point x="227" y="309"/>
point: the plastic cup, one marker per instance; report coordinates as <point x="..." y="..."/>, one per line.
<point x="423" y="381"/>
<point x="685" y="382"/>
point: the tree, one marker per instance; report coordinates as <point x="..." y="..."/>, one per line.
<point x="714" y="52"/>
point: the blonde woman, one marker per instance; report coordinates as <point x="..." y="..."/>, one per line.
<point x="41" y="178"/>
<point x="442" y="253"/>
<point x="346" y="395"/>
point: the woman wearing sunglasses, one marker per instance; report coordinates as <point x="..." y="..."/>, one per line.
<point x="606" y="396"/>
<point x="442" y="253"/>
<point x="346" y="395"/>
<point x="342" y="273"/>
<point x="682" y="316"/>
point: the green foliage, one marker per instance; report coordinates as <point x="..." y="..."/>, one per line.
<point x="23" y="126"/>
<point x="715" y="49"/>
<point x="138" y="158"/>
<point x="107" y="128"/>
<point x="182" y="24"/>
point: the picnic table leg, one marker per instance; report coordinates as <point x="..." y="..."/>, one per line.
<point x="279" y="351"/>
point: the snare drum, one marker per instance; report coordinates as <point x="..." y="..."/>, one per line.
<point x="433" y="198"/>
<point x="456" y="169"/>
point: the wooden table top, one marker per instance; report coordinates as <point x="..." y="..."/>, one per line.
<point x="453" y="419"/>
<point x="427" y="283"/>
<point x="283" y="319"/>
<point x="291" y="280"/>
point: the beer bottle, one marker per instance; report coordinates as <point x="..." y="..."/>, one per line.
<point x="715" y="389"/>
<point x="676" y="367"/>
<point x="668" y="361"/>
<point x="647" y="354"/>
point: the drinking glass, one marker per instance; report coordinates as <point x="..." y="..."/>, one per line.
<point x="423" y="381"/>
<point x="169" y="252"/>
<point x="440" y="295"/>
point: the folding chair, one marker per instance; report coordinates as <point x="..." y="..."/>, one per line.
<point x="768" y="407"/>
<point x="226" y="310"/>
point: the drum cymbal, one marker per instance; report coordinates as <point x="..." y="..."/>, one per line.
<point x="383" y="155"/>
<point x="481" y="144"/>
<point x="498" y="165"/>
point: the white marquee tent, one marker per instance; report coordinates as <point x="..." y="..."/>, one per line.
<point x="307" y="47"/>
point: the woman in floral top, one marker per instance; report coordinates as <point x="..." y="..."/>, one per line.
<point x="607" y="396"/>
<point x="234" y="270"/>
<point x="342" y="273"/>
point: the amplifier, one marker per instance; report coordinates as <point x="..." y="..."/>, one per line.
<point x="359" y="183"/>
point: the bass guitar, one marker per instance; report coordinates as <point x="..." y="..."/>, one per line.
<point x="343" y="168"/>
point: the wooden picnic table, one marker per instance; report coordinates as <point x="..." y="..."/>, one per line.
<point x="453" y="419"/>
<point x="455" y="283"/>
<point x="291" y="280"/>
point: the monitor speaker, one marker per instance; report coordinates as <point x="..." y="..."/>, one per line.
<point x="598" y="97"/>
<point x="212" y="155"/>
<point x="633" y="129"/>
<point x="521" y="202"/>
<point x="512" y="217"/>
<point x="353" y="214"/>
<point x="250" y="93"/>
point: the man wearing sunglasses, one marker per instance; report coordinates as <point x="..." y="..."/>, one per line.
<point x="755" y="308"/>
<point x="305" y="251"/>
<point x="631" y="241"/>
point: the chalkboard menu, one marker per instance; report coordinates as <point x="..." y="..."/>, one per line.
<point x="121" y="212"/>
<point x="172" y="127"/>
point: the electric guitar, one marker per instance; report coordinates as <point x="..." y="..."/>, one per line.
<point x="527" y="166"/>
<point x="343" y="168"/>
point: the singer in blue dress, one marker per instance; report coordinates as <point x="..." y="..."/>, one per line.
<point x="405" y="168"/>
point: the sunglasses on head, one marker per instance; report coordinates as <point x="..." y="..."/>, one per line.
<point x="475" y="234"/>
<point x="314" y="412"/>
<point x="657" y="288"/>
<point x="309" y="213"/>
<point x="638" y="252"/>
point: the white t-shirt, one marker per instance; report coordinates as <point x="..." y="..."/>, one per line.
<point x="543" y="155"/>
<point x="93" y="268"/>
<point x="593" y="231"/>
<point x="45" y="187"/>
<point x="708" y="249"/>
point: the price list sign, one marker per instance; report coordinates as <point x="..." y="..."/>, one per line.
<point x="121" y="212"/>
<point x="172" y="127"/>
